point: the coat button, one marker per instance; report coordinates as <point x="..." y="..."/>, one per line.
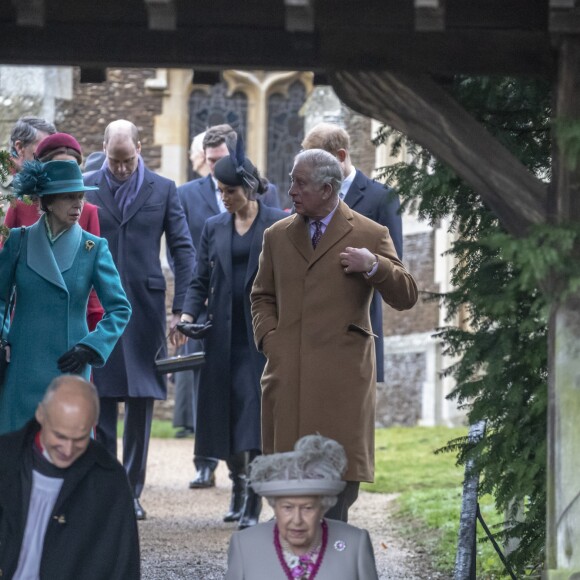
<point x="210" y="316"/>
<point x="63" y="295"/>
<point x="212" y="290"/>
<point x="211" y="264"/>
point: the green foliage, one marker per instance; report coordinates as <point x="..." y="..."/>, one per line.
<point x="5" y="165"/>
<point x="428" y="489"/>
<point x="568" y="137"/>
<point x="500" y="342"/>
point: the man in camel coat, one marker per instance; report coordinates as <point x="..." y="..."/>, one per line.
<point x="310" y="307"/>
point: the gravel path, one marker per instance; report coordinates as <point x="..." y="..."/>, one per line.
<point x="184" y="536"/>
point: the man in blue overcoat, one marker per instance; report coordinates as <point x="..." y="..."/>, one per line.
<point x="367" y="197"/>
<point x="136" y="208"/>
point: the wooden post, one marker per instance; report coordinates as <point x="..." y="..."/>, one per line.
<point x="563" y="514"/>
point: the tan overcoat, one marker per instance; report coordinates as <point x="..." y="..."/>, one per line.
<point x="320" y="370"/>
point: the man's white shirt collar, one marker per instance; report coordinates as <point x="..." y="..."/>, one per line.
<point x="347" y="182"/>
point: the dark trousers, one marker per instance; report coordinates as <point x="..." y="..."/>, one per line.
<point x="344" y="500"/>
<point x="136" y="434"/>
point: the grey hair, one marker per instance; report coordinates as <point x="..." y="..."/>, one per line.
<point x="314" y="457"/>
<point x="325" y="167"/>
<point x="26" y="130"/>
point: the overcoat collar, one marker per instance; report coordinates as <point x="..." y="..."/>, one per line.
<point x="256" y="247"/>
<point x="207" y="189"/>
<point x="143" y="195"/>
<point x="223" y="240"/>
<point x="106" y="198"/>
<point x="105" y="195"/>
<point x="40" y="257"/>
<point x="356" y="190"/>
<point x="299" y="233"/>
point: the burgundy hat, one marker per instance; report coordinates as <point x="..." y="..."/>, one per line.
<point x="56" y="141"/>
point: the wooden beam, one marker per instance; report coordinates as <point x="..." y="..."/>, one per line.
<point x="299" y="15"/>
<point x="417" y="106"/>
<point x="29" y="12"/>
<point x="563" y="517"/>
<point x="93" y="75"/>
<point x="430" y="15"/>
<point x="448" y="52"/>
<point x="162" y="14"/>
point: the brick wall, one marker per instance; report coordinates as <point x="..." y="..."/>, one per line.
<point x="399" y="397"/>
<point x="122" y="96"/>
<point x="419" y="261"/>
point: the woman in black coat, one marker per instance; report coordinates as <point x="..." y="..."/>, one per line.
<point x="228" y="409"/>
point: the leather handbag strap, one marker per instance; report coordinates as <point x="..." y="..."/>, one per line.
<point x="10" y="295"/>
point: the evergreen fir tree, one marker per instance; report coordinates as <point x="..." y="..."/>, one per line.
<point x="501" y="340"/>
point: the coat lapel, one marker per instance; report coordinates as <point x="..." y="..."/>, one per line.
<point x="142" y="196"/>
<point x="223" y="242"/>
<point x="67" y="247"/>
<point x="299" y="235"/>
<point x="256" y="247"/>
<point x="39" y="256"/>
<point x="104" y="195"/>
<point x="339" y="226"/>
<point x="356" y="190"/>
<point x="208" y="194"/>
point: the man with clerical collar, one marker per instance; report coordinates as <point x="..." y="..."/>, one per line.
<point x="66" y="508"/>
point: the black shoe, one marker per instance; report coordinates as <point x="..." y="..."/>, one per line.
<point x="183" y="433"/>
<point x="205" y="478"/>
<point x="237" y="501"/>
<point x="140" y="513"/>
<point x="252" y="509"/>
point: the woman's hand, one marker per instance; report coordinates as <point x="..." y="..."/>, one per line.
<point x="175" y="337"/>
<point x="192" y="330"/>
<point x="76" y="359"/>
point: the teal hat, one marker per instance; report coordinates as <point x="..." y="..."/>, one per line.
<point x="49" y="178"/>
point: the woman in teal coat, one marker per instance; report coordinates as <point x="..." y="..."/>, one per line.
<point x="58" y="265"/>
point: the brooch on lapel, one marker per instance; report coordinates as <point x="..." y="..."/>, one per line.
<point x="339" y="545"/>
<point x="89" y="245"/>
<point x="60" y="519"/>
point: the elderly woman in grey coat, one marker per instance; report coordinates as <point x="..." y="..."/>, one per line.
<point x="300" y="544"/>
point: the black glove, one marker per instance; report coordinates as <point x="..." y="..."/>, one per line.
<point x="193" y="330"/>
<point x="74" y="360"/>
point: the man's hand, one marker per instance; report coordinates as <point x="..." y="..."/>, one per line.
<point x="357" y="260"/>
<point x="176" y="338"/>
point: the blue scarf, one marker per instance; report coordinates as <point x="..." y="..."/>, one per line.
<point x="125" y="192"/>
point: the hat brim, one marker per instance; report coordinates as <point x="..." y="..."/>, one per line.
<point x="297" y="487"/>
<point x="66" y="189"/>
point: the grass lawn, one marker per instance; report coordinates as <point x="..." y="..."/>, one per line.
<point x="430" y="488"/>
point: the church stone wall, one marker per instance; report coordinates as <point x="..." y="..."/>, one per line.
<point x="122" y="96"/>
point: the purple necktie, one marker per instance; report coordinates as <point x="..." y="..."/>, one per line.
<point x="317" y="233"/>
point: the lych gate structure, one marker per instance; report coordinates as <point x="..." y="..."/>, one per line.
<point x="383" y="58"/>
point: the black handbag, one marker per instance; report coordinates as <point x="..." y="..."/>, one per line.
<point x="179" y="362"/>
<point x="7" y="311"/>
